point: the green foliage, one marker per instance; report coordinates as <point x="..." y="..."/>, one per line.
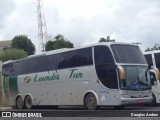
<point x="58" y="42"/>
<point x="106" y="39"/>
<point x="22" y="42"/>
<point x="49" y="46"/>
<point x="155" y="47"/>
<point x="12" y="54"/>
<point x="103" y="39"/>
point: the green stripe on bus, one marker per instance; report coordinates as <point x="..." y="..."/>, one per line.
<point x="4" y="86"/>
<point x="13" y="87"/>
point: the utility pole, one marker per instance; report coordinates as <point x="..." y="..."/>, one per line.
<point x="42" y="28"/>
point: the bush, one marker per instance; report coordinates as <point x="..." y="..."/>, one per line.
<point x="12" y="54"/>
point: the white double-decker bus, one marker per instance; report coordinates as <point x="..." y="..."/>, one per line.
<point x="153" y="59"/>
<point x="104" y="74"/>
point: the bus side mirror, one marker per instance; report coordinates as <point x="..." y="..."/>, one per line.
<point x="153" y="77"/>
<point x="122" y="73"/>
<point x="157" y="72"/>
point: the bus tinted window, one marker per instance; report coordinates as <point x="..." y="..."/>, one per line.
<point x="128" y="54"/>
<point x="103" y="55"/>
<point x="107" y="76"/>
<point x="53" y="61"/>
<point x="105" y="67"/>
<point x="33" y="65"/>
<point x="17" y="68"/>
<point x="67" y="59"/>
<point x="75" y="58"/>
<point x="40" y="64"/>
<point x="157" y="60"/>
<point x="28" y="66"/>
<point x="149" y="59"/>
<point x="6" y="69"/>
<point x="84" y="56"/>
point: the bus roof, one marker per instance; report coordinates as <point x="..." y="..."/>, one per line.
<point x="67" y="49"/>
<point x="9" y="61"/>
<point x="151" y="52"/>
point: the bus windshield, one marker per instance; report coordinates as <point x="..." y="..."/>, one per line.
<point x="135" y="78"/>
<point x="128" y="54"/>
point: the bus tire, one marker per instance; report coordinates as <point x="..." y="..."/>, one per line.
<point x="90" y="102"/>
<point x="19" y="102"/>
<point x="153" y="103"/>
<point x="28" y="102"/>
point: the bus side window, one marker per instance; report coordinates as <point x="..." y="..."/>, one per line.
<point x="4" y="70"/>
<point x="40" y="64"/>
<point x="103" y="55"/>
<point x="84" y="57"/>
<point x="157" y="60"/>
<point x="17" y="68"/>
<point x="7" y="69"/>
<point x="53" y="61"/>
<point x="28" y="66"/>
<point x="67" y="60"/>
<point x="105" y="67"/>
<point x="76" y="58"/>
<point x="149" y="59"/>
<point x="152" y="78"/>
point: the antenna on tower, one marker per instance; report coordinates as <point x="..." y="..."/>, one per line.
<point x="42" y="28"/>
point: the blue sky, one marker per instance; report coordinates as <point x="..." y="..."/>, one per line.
<point x="83" y="22"/>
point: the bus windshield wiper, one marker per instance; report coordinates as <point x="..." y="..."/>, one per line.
<point x="142" y="83"/>
<point x="129" y="88"/>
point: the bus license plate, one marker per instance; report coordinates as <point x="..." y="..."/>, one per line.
<point x="140" y="101"/>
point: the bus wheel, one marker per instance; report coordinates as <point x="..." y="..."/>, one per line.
<point x="153" y="103"/>
<point x="28" y="102"/>
<point x="19" y="102"/>
<point x="90" y="102"/>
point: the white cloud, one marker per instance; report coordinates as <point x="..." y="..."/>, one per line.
<point x="85" y="21"/>
<point x="6" y="8"/>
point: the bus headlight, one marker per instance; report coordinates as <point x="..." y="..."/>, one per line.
<point x="125" y="96"/>
<point x="122" y="73"/>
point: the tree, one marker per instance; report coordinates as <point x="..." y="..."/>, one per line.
<point x="22" y="42"/>
<point x="49" y="46"/>
<point x="155" y="47"/>
<point x="103" y="39"/>
<point x="106" y="39"/>
<point x="58" y="42"/>
<point x="12" y="54"/>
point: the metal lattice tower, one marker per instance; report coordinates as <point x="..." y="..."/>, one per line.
<point x="42" y="28"/>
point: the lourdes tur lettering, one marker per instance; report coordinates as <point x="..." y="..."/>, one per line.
<point x="54" y="76"/>
<point x="75" y="74"/>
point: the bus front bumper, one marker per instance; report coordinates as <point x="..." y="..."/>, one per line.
<point x="136" y="101"/>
